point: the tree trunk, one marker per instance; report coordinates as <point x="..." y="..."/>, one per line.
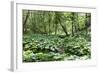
<point x="25" y="21"/>
<point x="78" y="28"/>
<point x="72" y="18"/>
<point x="86" y="24"/>
<point x="49" y="22"/>
<point x="64" y="29"/>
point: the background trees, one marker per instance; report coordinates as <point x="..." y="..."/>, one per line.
<point x="55" y="23"/>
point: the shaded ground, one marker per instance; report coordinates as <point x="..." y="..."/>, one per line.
<point x="37" y="48"/>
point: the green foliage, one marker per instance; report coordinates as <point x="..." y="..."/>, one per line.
<point x="78" y="46"/>
<point x="27" y="56"/>
<point x="56" y="35"/>
<point x="54" y="48"/>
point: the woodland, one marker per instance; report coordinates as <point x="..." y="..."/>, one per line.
<point x="56" y="35"/>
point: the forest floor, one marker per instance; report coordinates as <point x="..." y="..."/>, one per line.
<point x="37" y="48"/>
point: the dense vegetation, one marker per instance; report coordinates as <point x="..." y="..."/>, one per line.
<point x="56" y="36"/>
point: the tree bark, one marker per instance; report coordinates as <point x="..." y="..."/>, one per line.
<point x="72" y="18"/>
<point x="25" y="21"/>
<point x="64" y="29"/>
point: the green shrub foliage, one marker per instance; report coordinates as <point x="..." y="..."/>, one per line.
<point x="54" y="48"/>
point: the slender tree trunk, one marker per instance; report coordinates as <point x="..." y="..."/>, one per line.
<point x="78" y="27"/>
<point x="56" y="21"/>
<point x="55" y="29"/>
<point x="49" y="22"/>
<point x="49" y="28"/>
<point x="64" y="28"/>
<point x="76" y="23"/>
<point x="86" y="23"/>
<point x="44" y="25"/>
<point x="72" y="18"/>
<point x="72" y="29"/>
<point x="25" y="21"/>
